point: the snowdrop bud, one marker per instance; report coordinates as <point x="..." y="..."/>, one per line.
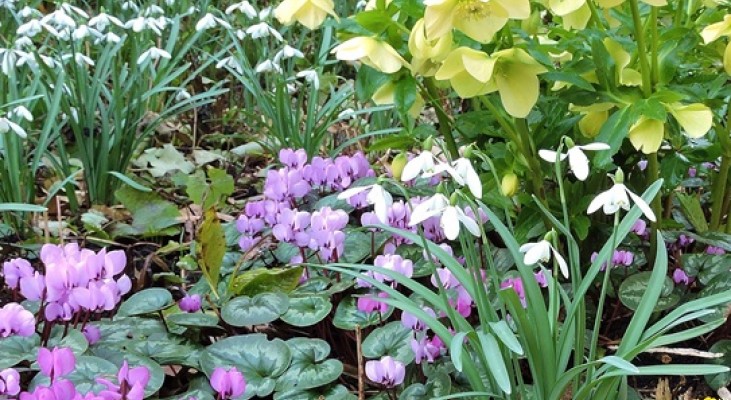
<point x="428" y="143"/>
<point x="509" y="184"/>
<point x="619" y="176"/>
<point x="397" y="165"/>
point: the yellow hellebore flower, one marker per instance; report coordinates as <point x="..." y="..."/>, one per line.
<point x="427" y="55"/>
<point x="715" y="31"/>
<point x="469" y="71"/>
<point x="625" y="76"/>
<point x="309" y="13"/>
<point x="386" y="95"/>
<point x="646" y="134"/>
<point x="371" y="52"/>
<point x="478" y="19"/>
<point x="516" y="76"/>
<point x="594" y="118"/>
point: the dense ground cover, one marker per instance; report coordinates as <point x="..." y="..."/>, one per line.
<point x="405" y="199"/>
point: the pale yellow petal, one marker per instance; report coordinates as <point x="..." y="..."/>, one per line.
<point x="656" y="3"/>
<point x="696" y="119"/>
<point x="592" y="123"/>
<point x="481" y="30"/>
<point x="646" y="135"/>
<point x="384" y="94"/>
<point x="517" y="9"/>
<point x="609" y="3"/>
<point x="466" y="86"/>
<point x="519" y="89"/>
<point x="311" y="17"/>
<point x="577" y="19"/>
<point x="715" y="31"/>
<point x="727" y="58"/>
<point x="353" y="49"/>
<point x="439" y="18"/>
<point x="286" y="10"/>
<point x="563" y="7"/>
<point x="631" y="77"/>
<point x="479" y="65"/>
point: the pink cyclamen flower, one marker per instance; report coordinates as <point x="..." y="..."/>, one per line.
<point x="9" y="382"/>
<point x="679" y="276"/>
<point x="229" y="383"/>
<point x="369" y="303"/>
<point x="16" y="320"/>
<point x="639" y="227"/>
<point x="427" y="349"/>
<point x="131" y="381"/>
<point x="190" y="303"/>
<point x="92" y="333"/>
<point x="59" y="390"/>
<point x="57" y="362"/>
<point x="387" y="371"/>
<point x="715" y="250"/>
<point x="14" y="270"/>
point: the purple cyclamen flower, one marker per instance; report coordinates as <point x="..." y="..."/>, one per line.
<point x="131" y="381"/>
<point x="293" y="159"/>
<point x="9" y="382"/>
<point x="390" y="262"/>
<point x="517" y="285"/>
<point x="369" y="304"/>
<point x="541" y="279"/>
<point x="692" y="171"/>
<point x="642" y="164"/>
<point x="413" y="323"/>
<point x="16" y="320"/>
<point x="427" y="349"/>
<point x="291" y="227"/>
<point x="285" y="185"/>
<point x="190" y="303"/>
<point x="715" y="250"/>
<point x="387" y="371"/>
<point x="14" y="270"/>
<point x="639" y="227"/>
<point x="679" y="276"/>
<point x="61" y="389"/>
<point x="57" y="362"/>
<point x="92" y="334"/>
<point x="685" y="241"/>
<point x="229" y="383"/>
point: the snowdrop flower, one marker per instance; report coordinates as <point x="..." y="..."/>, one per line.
<point x="460" y="170"/>
<point x="230" y="63"/>
<point x="377" y="195"/>
<point x="182" y="95"/>
<point x="541" y="252"/>
<point x="310" y="76"/>
<point x="424" y="162"/>
<point x="267" y="66"/>
<point x="578" y="161"/>
<point x="103" y="20"/>
<point x="261" y="30"/>
<point x="59" y="19"/>
<point x="79" y="59"/>
<point x="7" y="125"/>
<point x="451" y="216"/>
<point x="287" y="52"/>
<point x="30" y="28"/>
<point x="153" y="53"/>
<point x="23" y="41"/>
<point x="242" y="7"/>
<point x="109" y="37"/>
<point x="23" y="112"/>
<point x="209" y="21"/>
<point x="265" y="13"/>
<point x="84" y="31"/>
<point x="154" y="10"/>
<point x="617" y="197"/>
<point x="142" y="23"/>
<point x="465" y="175"/>
<point x="70" y="9"/>
<point x="348" y="113"/>
<point x="130" y="5"/>
<point x="27" y="12"/>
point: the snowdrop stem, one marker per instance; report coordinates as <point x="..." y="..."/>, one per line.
<point x="524" y="143"/>
<point x="718" y="192"/>
<point x="653" y="174"/>
<point x="445" y="125"/>
<point x="602" y="298"/>
<point x="562" y="191"/>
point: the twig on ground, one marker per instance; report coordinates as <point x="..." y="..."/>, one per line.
<point x="679" y="351"/>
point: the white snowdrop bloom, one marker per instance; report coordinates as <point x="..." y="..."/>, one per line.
<point x="103" y="20"/>
<point x="71" y="9"/>
<point x="240" y="34"/>
<point x="541" y="252"/>
<point x="23" y="42"/>
<point x="182" y="95"/>
<point x="578" y="162"/>
<point x="265" y="13"/>
<point x="8" y="60"/>
<point x="424" y="162"/>
<point x="210" y="21"/>
<point x="8" y="4"/>
<point x="618" y="196"/>
<point x="310" y="76"/>
<point x="7" y="125"/>
<point x="465" y="175"/>
<point x="142" y="23"/>
<point x="84" y="31"/>
<point x="109" y="37"/>
<point x="169" y="2"/>
<point x="80" y="59"/>
<point x="154" y="9"/>
<point x="243" y="7"/>
<point x="230" y="63"/>
<point x="153" y="54"/>
<point x="261" y="30"/>
<point x="377" y="196"/>
<point x="287" y="52"/>
<point x="450" y="216"/>
<point x="27" y="12"/>
<point x="30" y="28"/>
<point x="130" y="5"/>
<point x="267" y="66"/>
<point x="59" y="20"/>
<point x="348" y="113"/>
<point x="22" y="112"/>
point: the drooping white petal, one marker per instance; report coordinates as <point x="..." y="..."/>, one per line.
<point x="598" y="201"/>
<point x="416" y="165"/>
<point x="550" y="155"/>
<point x="561" y="262"/>
<point x="346" y="194"/>
<point x="596" y="146"/>
<point x="429" y="208"/>
<point x="540" y="252"/>
<point x="464" y="169"/>
<point x="450" y="223"/>
<point x="468" y="222"/>
<point x="579" y="163"/>
<point x="642" y="205"/>
<point x="381" y="200"/>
